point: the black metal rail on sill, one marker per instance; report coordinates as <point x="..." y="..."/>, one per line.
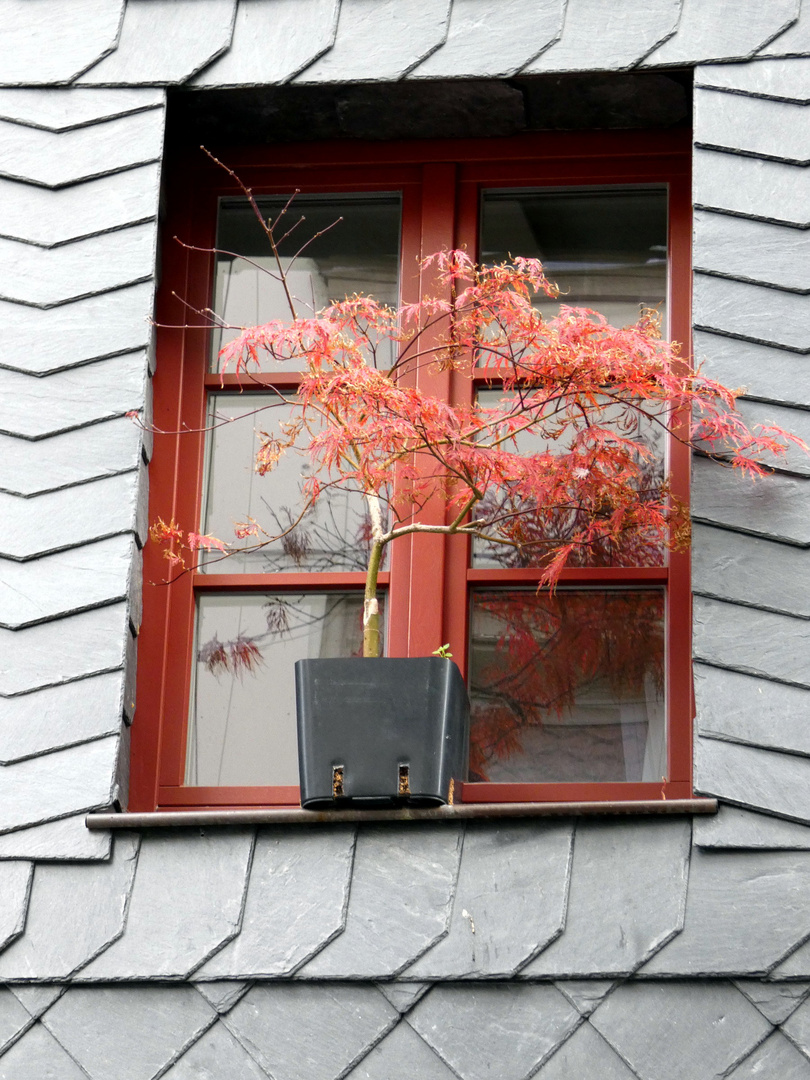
<point x="458" y="812"/>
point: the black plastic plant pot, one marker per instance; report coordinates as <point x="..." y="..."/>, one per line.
<point x="383" y="732"/>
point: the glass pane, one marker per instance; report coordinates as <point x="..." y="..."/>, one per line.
<point x="605" y="248"/>
<point x="353" y="248"/>
<point x="242" y="722"/>
<point x="567" y="688"/>
<point x="556" y="436"/>
<point x="333" y="535"/>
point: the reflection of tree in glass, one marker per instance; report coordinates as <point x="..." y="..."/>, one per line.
<point x="536" y="654"/>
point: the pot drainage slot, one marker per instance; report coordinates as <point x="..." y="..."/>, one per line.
<point x="337" y="781"/>
<point x="404" y="787"/>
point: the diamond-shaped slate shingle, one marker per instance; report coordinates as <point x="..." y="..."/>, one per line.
<point x="65" y="108"/>
<point x="381" y="41"/>
<point x="752" y="777"/>
<point x="585" y="1054"/>
<point x="166" y="41"/>
<point x="596" y="37"/>
<point x="585" y="994"/>
<point x="15" y="886"/>
<point x="706" y="33"/>
<point x="58" y="784"/>
<point x="730" y="927"/>
<point x="749" y="311"/>
<point x="57" y="43"/>
<point x="782" y="80"/>
<point x="797" y="966"/>
<point x="752" y="250"/>
<point x="36" y="999"/>
<point x="310" y="1032"/>
<point x="76" y="909"/>
<point x="484" y="1030"/>
<point x="777" y="1058"/>
<point x="779" y="509"/>
<point x="627" y="894"/>
<point x="45" y="217"/>
<point x="671" y="1031"/>
<point x="69" y="336"/>
<point x="14" y="1019"/>
<point x="66" y="839"/>
<point x="129" y="1032"/>
<point x="216" y="1056"/>
<point x="776" y="1001"/>
<point x="55" y="159"/>
<point x="401" y="1055"/>
<point x="186" y="902"/>
<point x="223" y="995"/>
<point x="59" y="716"/>
<point x="399" y="904"/>
<point x="769" y="190"/>
<point x="296" y="902"/>
<point x="797" y="1025"/>
<point x="756" y="126"/>
<point x="403" y="995"/>
<point x="38" y="1056"/>
<point x="509" y="902"/>
<point x="487" y="42"/>
<point x="305" y="27"/>
<point x="733" y="827"/>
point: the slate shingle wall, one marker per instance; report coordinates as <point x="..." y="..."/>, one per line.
<point x="559" y="949"/>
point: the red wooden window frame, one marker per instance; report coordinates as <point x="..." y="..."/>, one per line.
<point x="440" y="184"/>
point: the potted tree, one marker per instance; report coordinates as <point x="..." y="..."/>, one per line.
<point x="560" y="461"/>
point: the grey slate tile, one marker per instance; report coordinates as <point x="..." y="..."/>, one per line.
<point x="32" y="467"/>
<point x="749" y="311"/>
<point x="65" y="108"/>
<point x="310" y="1032"/>
<point x="223" y="995"/>
<point x="776" y="1001"/>
<point x="296" y="902"/>
<point x="380" y="41"/>
<point x="600" y="38"/>
<point x="186" y="902"/>
<point x="782" y="80"/>
<point x="129" y="1032"/>
<point x="752" y="250"/>
<point x="509" y="902"/>
<point x="15" y="888"/>
<point x="705" y="32"/>
<point x="403" y="995"/>
<point x="60" y="651"/>
<point x="57" y="785"/>
<point x="36" y="408"/>
<point x="676" y="1030"/>
<point x="764" y="372"/>
<point x="75" y="911"/>
<point x="754" y="778"/>
<point x="797" y="1026"/>
<point x="750" y="570"/>
<point x="794" y="421"/>
<point x="165" y="41"/>
<point x="36" y="999"/>
<point x="764" y="713"/>
<point x="45" y="217"/>
<point x="59" y="716"/>
<point x="56" y="159"/>
<point x="775" y="507"/>
<point x="14" y="1019"/>
<point x="797" y="966"/>
<point x="38" y="1056"/>
<point x="794" y="42"/>
<point x="73" y="334"/>
<point x="500" y="1029"/>
<point x="769" y="190"/>
<point x="732" y="827"/>
<point x="399" y="905"/>
<point x="48" y="276"/>
<point x="63" y="840"/>
<point x="485" y="42"/>
<point x="306" y="27"/>
<point x="216" y="1056"/>
<point x="627" y="895"/>
<point x="753" y="642"/>
<point x="775" y="1057"/>
<point x="60" y="42"/>
<point x="585" y="994"/>
<point x="64" y="583"/>
<point x="757" y="126"/>
<point x="730" y="927"/>
<point x="401" y="1055"/>
<point x="585" y="1054"/>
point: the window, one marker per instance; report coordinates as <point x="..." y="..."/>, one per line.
<point x="582" y="695"/>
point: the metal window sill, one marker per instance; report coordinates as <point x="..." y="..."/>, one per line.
<point x="458" y="812"/>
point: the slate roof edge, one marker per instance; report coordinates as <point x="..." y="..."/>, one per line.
<point x="458" y="812"/>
